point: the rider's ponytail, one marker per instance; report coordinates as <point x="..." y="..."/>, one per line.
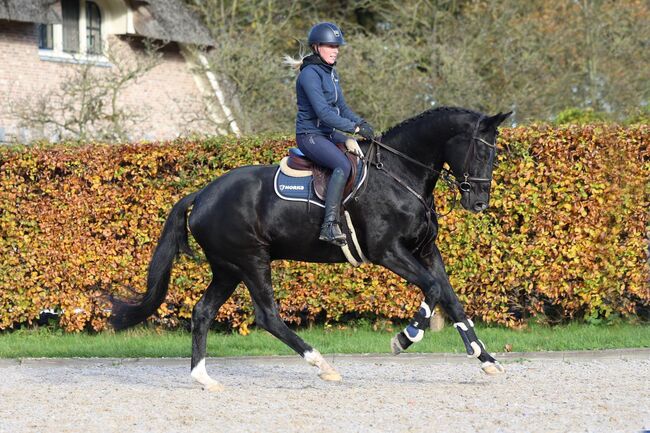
<point x="293" y="63"/>
<point x="296" y="62"/>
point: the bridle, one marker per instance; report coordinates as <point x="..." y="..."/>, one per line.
<point x="374" y="159"/>
<point x="465" y="185"/>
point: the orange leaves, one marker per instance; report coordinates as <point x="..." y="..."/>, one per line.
<point x="566" y="229"/>
<point x="593" y="186"/>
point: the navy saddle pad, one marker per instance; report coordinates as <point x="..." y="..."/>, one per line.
<point x="302" y="188"/>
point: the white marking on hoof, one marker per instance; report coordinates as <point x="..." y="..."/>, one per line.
<point x="493" y="368"/>
<point x="326" y="371"/>
<point x="200" y="374"/>
<point x="395" y="347"/>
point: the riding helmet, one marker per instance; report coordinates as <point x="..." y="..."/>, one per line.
<point x="325" y="33"/>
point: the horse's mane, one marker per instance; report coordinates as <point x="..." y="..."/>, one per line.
<point x="428" y="113"/>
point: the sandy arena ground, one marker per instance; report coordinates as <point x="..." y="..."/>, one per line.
<point x="607" y="391"/>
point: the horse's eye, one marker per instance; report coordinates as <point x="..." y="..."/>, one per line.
<point x="483" y="153"/>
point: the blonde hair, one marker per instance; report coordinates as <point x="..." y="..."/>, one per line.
<point x="296" y="62"/>
<point x="293" y="63"/>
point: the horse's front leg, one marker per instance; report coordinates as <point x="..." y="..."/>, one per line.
<point x="451" y="304"/>
<point x="429" y="274"/>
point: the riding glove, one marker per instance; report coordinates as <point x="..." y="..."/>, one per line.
<point x="353" y="147"/>
<point x="365" y="130"/>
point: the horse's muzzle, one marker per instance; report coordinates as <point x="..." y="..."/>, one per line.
<point x="475" y="202"/>
<point x="479" y="206"/>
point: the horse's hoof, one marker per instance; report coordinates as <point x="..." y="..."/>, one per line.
<point x="330" y="376"/>
<point x="214" y="387"/>
<point x="395" y="347"/>
<point x="493" y="368"/>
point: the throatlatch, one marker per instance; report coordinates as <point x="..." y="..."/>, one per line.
<point x="414" y="332"/>
<point x="473" y="345"/>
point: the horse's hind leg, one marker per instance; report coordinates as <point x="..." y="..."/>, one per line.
<point x="258" y="281"/>
<point x="219" y="290"/>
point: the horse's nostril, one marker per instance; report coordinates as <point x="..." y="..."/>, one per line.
<point x="480" y="206"/>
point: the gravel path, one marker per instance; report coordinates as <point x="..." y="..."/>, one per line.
<point x="605" y="391"/>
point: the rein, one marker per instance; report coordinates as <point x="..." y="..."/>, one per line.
<point x="375" y="154"/>
<point x="448" y="176"/>
<point x="445" y="174"/>
<point x="374" y="159"/>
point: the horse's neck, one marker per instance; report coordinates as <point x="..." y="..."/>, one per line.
<point x="426" y="148"/>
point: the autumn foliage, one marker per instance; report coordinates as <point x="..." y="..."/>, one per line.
<point x="565" y="236"/>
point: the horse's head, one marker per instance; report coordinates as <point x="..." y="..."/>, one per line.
<point x="471" y="156"/>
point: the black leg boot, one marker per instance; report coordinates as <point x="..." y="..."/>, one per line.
<point x="330" y="230"/>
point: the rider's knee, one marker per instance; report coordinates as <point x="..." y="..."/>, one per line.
<point x="339" y="171"/>
<point x="345" y="169"/>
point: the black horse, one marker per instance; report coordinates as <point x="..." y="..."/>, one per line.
<point x="242" y="226"/>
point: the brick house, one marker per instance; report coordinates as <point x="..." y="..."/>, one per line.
<point x="43" y="41"/>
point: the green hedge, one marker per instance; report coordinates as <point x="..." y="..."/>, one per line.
<point x="565" y="236"/>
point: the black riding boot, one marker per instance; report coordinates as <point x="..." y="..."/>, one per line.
<point x="330" y="230"/>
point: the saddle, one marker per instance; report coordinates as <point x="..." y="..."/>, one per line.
<point x="296" y="164"/>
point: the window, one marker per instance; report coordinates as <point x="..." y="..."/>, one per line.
<point x="80" y="38"/>
<point x="70" y="10"/>
<point x="45" y="37"/>
<point x="93" y="28"/>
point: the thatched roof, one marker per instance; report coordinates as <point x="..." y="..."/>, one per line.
<point x="165" y="20"/>
<point x="169" y="20"/>
<point x="30" y="11"/>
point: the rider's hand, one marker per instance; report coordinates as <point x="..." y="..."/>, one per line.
<point x="353" y="147"/>
<point x="365" y="130"/>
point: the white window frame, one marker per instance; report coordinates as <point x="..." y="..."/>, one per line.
<point x="56" y="54"/>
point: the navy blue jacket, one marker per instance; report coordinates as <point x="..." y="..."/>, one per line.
<point x="321" y="105"/>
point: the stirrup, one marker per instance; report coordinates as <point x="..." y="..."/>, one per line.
<point x="328" y="234"/>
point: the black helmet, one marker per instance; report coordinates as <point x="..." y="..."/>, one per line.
<point x="325" y="33"/>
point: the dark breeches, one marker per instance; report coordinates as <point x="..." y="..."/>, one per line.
<point x="323" y="151"/>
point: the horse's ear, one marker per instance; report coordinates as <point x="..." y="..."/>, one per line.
<point x="494" y="121"/>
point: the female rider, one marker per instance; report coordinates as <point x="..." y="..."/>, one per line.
<point x="321" y="111"/>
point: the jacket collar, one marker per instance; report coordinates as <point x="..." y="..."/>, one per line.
<point x="315" y="59"/>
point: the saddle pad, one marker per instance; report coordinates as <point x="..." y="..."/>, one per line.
<point x="302" y="188"/>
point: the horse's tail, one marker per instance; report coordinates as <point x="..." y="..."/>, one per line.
<point x="173" y="239"/>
